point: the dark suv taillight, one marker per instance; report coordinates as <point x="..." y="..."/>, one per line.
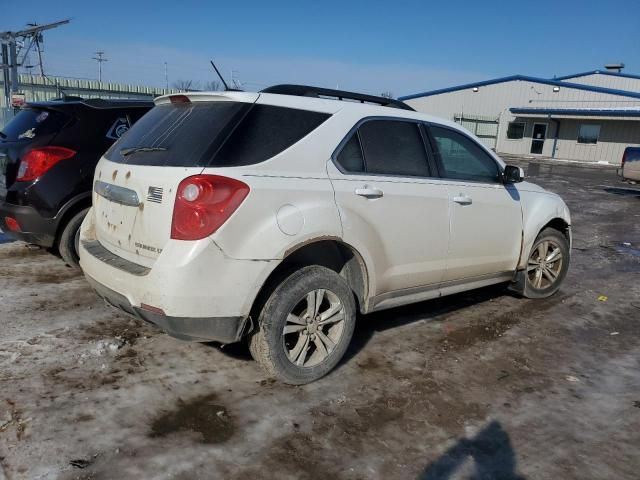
<point x="38" y="161"/>
<point x="203" y="203"/>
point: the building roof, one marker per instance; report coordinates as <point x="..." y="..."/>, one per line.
<point x="600" y="72"/>
<point x="579" y="112"/>
<point x="546" y="81"/>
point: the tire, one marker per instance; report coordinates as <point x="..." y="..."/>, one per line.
<point x="313" y="346"/>
<point x="543" y="277"/>
<point x="69" y="238"/>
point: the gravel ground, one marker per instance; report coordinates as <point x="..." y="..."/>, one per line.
<point x="477" y="385"/>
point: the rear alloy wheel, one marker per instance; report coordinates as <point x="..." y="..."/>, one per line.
<point x="547" y="264"/>
<point x="305" y="326"/>
<point x="313" y="328"/>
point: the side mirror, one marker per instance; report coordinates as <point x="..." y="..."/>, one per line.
<point x="512" y="174"/>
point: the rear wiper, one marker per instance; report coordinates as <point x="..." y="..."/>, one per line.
<point x="128" y="151"/>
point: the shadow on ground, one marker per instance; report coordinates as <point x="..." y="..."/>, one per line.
<point x="490" y="451"/>
<point x="368" y="325"/>
<point x="623" y="191"/>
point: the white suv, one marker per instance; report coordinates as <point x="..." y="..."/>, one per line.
<point x="279" y="215"/>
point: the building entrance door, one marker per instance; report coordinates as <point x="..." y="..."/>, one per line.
<point x="537" y="138"/>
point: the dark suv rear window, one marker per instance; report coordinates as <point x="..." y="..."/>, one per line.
<point x="217" y="134"/>
<point x="33" y="122"/>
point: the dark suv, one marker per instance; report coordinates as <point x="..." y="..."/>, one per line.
<point x="48" y="154"/>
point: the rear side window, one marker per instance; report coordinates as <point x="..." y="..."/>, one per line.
<point x="33" y="122"/>
<point x="266" y="131"/>
<point x="461" y="158"/>
<point x="389" y="147"/>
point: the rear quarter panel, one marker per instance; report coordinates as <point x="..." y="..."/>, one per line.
<point x="279" y="214"/>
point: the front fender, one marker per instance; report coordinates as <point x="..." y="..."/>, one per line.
<point x="538" y="210"/>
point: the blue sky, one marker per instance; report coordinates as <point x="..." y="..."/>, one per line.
<point x="402" y="47"/>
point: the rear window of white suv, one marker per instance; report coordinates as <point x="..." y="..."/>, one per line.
<point x="215" y="134"/>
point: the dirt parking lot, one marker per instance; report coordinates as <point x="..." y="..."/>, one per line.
<point x="478" y="385"/>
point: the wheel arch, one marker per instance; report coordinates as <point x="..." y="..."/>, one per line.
<point x="559" y="223"/>
<point x="329" y="252"/>
<point x="69" y="210"/>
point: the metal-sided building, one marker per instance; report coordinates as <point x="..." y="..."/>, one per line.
<point x="590" y="116"/>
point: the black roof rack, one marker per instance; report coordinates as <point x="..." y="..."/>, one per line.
<point x="318" y="92"/>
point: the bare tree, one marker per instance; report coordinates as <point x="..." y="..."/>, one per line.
<point x="184" y="85"/>
<point x="213" y="86"/>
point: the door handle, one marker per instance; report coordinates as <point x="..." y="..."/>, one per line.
<point x="463" y="199"/>
<point x="369" y="192"/>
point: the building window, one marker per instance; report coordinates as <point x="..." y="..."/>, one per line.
<point x="515" y="130"/>
<point x="588" y="133"/>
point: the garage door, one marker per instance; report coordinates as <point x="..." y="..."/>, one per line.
<point x="485" y="128"/>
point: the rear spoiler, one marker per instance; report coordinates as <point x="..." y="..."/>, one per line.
<point x="230" y="96"/>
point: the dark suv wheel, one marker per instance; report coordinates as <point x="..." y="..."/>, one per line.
<point x="305" y="326"/>
<point x="69" y="239"/>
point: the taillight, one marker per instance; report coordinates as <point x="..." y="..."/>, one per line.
<point x="203" y="204"/>
<point x="12" y="224"/>
<point x="39" y="160"/>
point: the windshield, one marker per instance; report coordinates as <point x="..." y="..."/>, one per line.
<point x="33" y="122"/>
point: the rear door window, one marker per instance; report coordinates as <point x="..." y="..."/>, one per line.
<point x="386" y="147"/>
<point x="350" y="157"/>
<point x="33" y="122"/>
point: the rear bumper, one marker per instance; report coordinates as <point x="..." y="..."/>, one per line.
<point x="221" y="329"/>
<point x="34" y="227"/>
<point x="198" y="291"/>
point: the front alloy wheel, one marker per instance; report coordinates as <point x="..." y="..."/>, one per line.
<point x="547" y="264"/>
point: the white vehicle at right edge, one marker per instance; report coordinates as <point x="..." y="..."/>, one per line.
<point x="279" y="215"/>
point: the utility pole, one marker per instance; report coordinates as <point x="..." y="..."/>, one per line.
<point x="100" y="58"/>
<point x="234" y="80"/>
<point x="166" y="77"/>
<point x="5" y="74"/>
<point x="38" y="40"/>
